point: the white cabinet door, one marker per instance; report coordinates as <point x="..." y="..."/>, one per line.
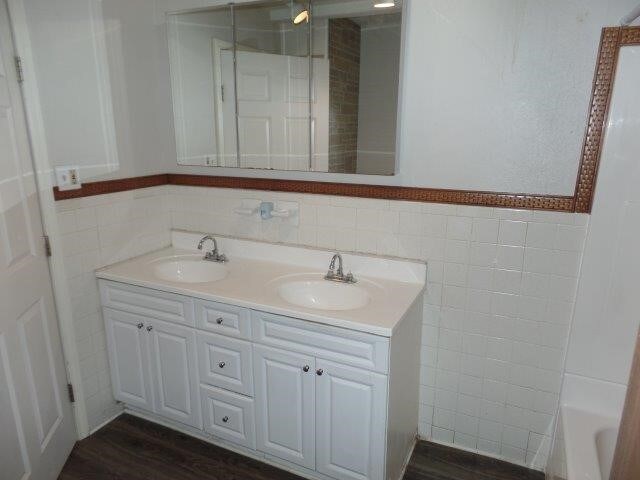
<point x="129" y="358"/>
<point x="285" y="404"/>
<point x="351" y="412"/>
<point x="174" y="361"/>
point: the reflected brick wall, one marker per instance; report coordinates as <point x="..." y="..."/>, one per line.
<point x="344" y="85"/>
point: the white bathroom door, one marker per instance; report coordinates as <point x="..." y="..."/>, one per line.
<point x="225" y="98"/>
<point x="37" y="427"/>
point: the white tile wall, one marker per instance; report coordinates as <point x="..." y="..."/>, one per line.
<point x="501" y="288"/>
<point x="97" y="231"/>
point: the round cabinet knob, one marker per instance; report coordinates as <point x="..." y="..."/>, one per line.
<point x="149" y="328"/>
<point x="140" y="325"/>
<point x="219" y="321"/>
<point x="305" y="368"/>
<point x="319" y="372"/>
<point x="225" y="419"/>
<point x="221" y="364"/>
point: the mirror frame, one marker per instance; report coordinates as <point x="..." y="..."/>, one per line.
<point x="612" y="40"/>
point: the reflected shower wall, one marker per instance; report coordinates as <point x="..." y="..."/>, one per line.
<point x="201" y="49"/>
<point x="364" y="58"/>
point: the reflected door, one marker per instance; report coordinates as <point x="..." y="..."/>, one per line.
<point x="37" y="429"/>
<point x="226" y="106"/>
<point x="273" y="111"/>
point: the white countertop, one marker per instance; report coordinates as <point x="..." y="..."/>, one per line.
<point x="252" y="282"/>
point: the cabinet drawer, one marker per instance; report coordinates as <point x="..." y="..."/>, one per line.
<point x="357" y="349"/>
<point x="225" y="362"/>
<point x="228" y="416"/>
<point x="147" y="302"/>
<point x="224" y="319"/>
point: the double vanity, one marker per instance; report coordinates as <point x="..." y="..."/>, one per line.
<point x="263" y="351"/>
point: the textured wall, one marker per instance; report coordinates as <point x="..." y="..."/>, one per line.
<point x="344" y="88"/>
<point x="378" y="108"/>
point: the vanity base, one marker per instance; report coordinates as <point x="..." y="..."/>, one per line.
<point x="330" y="395"/>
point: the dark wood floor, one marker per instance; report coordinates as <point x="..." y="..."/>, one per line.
<point x="130" y="448"/>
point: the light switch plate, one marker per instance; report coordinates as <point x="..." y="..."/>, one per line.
<point x="68" y="178"/>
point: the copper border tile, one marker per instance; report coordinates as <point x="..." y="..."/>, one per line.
<point x="460" y="197"/>
<point x="111" y="186"/>
<point x="612" y="39"/>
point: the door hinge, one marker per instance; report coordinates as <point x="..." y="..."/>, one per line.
<point x="47" y="246"/>
<point x="19" y="69"/>
<point x="72" y="396"/>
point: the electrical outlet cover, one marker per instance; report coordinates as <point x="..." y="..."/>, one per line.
<point x="68" y="178"/>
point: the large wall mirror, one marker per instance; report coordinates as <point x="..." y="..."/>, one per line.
<point x="288" y="85"/>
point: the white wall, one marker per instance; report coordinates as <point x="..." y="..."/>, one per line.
<point x="96" y="69"/>
<point x="607" y="312"/>
<point x="99" y="231"/>
<point x="68" y="47"/>
<point x="494" y="96"/>
<point x="139" y="82"/>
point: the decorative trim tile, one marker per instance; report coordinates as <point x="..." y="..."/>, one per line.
<point x="427" y="195"/>
<point x="111" y="186"/>
<point x="612" y="39"/>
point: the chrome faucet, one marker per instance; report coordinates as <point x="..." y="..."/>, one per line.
<point x="338" y="276"/>
<point x="214" y="255"/>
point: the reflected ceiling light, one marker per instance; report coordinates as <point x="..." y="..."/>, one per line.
<point x="302" y="16"/>
<point x="387" y="4"/>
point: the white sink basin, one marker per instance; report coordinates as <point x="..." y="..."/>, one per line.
<point x="324" y="295"/>
<point x="189" y="269"/>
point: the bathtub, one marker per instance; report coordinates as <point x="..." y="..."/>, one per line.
<point x="589" y="443"/>
<point x="587" y="429"/>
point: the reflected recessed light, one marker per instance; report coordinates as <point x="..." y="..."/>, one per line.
<point x="303" y="16"/>
<point x="387" y="4"/>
